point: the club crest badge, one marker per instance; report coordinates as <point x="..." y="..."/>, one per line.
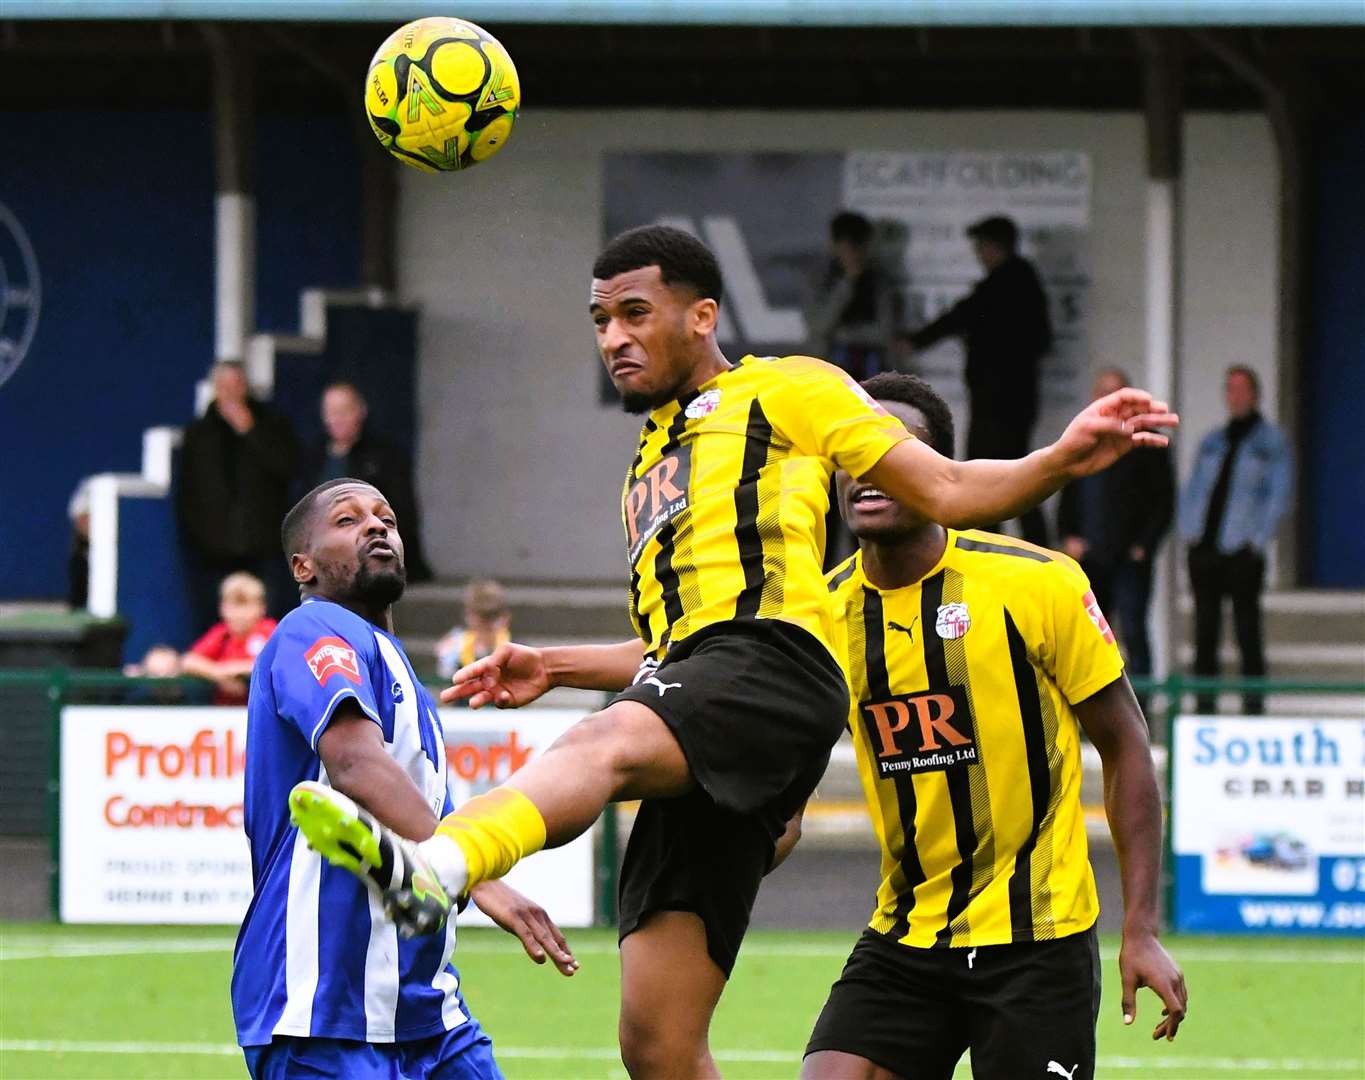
<point x="20" y="294"/>
<point x="704" y="405"/>
<point x="953" y="621"/>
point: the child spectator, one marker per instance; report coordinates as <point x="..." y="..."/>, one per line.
<point x="161" y="661"/>
<point x="225" y="654"/>
<point x="487" y="624"/>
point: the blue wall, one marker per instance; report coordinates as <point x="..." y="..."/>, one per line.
<point x="307" y="213"/>
<point x="121" y="221"/>
<point x="1334" y="384"/>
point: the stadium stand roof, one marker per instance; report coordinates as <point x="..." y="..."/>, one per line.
<point x="732" y="13"/>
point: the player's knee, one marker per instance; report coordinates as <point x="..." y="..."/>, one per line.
<point x="650" y="1051"/>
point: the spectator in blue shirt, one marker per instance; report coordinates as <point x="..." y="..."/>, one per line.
<point x="1229" y="510"/>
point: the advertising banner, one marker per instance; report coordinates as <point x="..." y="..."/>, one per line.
<point x="766" y="216"/>
<point x="151" y="812"/>
<point x="484" y="747"/>
<point x="151" y="815"/>
<point x="1268" y="825"/>
<point x="932" y="196"/>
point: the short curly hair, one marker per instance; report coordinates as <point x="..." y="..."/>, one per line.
<point x="913" y="391"/>
<point x="298" y="523"/>
<point x="682" y="259"/>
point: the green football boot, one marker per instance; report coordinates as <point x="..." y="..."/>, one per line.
<point x="349" y="837"/>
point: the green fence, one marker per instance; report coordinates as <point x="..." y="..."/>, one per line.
<point x="31" y="701"/>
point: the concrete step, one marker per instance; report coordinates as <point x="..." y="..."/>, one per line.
<point x="1343" y="662"/>
<point x="587" y="610"/>
<point x="1299" y="616"/>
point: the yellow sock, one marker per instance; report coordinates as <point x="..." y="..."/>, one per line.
<point x="494" y="832"/>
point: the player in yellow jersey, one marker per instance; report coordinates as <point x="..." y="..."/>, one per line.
<point x="733" y="696"/>
<point x="975" y="662"/>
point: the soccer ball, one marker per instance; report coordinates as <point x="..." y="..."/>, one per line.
<point x="442" y="94"/>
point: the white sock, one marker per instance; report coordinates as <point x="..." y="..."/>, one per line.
<point x="447" y="861"/>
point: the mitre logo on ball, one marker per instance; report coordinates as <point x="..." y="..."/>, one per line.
<point x="442" y="94"/>
<point x="332" y="656"/>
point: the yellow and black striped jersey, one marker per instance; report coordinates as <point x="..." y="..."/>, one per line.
<point x="724" y="506"/>
<point x="967" y="746"/>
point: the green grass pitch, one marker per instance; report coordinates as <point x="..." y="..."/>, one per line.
<point x="148" y="1002"/>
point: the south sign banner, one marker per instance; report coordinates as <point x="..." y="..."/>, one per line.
<point x="1268" y="825"/>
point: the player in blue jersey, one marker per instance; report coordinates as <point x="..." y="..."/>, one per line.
<point x="322" y="984"/>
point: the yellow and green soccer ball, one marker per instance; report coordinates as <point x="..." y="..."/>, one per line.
<point x="442" y="94"/>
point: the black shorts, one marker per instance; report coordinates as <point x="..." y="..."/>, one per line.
<point x="756" y="706"/>
<point x="1023" y="1010"/>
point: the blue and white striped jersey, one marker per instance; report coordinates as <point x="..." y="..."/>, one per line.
<point x="315" y="955"/>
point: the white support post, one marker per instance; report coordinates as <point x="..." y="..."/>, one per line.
<point x="158" y="448"/>
<point x="103" y="592"/>
<point x="1163" y="379"/>
<point x="234" y="273"/>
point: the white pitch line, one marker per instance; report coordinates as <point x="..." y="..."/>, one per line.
<point x="68" y="1046"/>
<point x="126" y="947"/>
<point x="1236" y="1065"/>
<point x="604" y="1053"/>
<point x="42" y="949"/>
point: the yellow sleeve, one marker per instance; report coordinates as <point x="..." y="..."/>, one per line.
<point x="839" y="638"/>
<point x="825" y="413"/>
<point x="1084" y="655"/>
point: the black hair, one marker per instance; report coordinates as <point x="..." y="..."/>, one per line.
<point x="298" y="523"/>
<point x="850" y="226"/>
<point x="996" y="230"/>
<point x="913" y="391"/>
<point x="682" y="259"/>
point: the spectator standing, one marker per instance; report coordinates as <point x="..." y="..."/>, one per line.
<point x="349" y="447"/>
<point x="1004" y="325"/>
<point x="854" y="317"/>
<point x="487" y="624"/>
<point x="1112" y="523"/>
<point x="853" y="321"/>
<point x="1238" y="491"/>
<point x="226" y="653"/>
<point x="237" y="467"/>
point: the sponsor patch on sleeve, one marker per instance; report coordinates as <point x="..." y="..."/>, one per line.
<point x="1092" y="608"/>
<point x="330" y="656"/>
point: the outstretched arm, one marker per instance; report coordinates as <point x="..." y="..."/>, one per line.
<point x="352" y="750"/>
<point x="1114" y="722"/>
<point x="967" y="493"/>
<point x="514" y="675"/>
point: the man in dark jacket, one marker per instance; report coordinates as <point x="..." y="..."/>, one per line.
<point x="1003" y="323"/>
<point x="237" y="467"/>
<point x="349" y="448"/>
<point x="1112" y="522"/>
